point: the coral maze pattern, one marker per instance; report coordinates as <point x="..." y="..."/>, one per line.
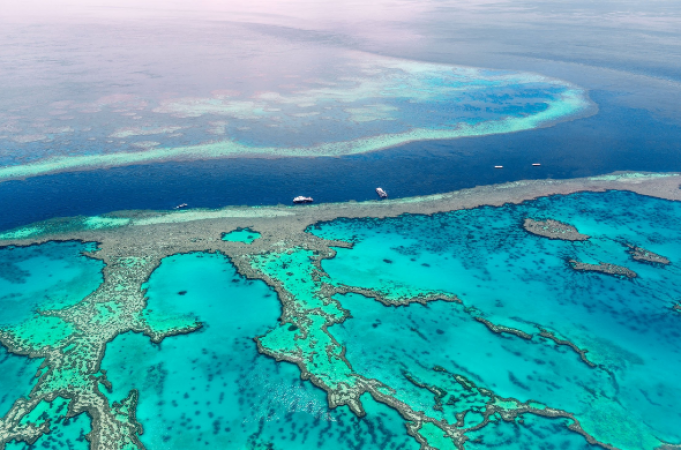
<point x="431" y="321"/>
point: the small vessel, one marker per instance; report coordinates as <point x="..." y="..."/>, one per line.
<point x="381" y="193"/>
<point x="536" y="164"/>
<point x="302" y="199"/>
<point x="498" y="167"/>
<point x="180" y="206"/>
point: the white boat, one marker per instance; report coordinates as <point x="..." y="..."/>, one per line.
<point x="183" y="205"/>
<point x="498" y="167"/>
<point x="302" y="199"/>
<point x="381" y="193"/>
<point x="536" y="164"/>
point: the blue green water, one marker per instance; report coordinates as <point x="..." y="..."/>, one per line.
<point x="533" y="433"/>
<point x="212" y="389"/>
<point x="50" y="276"/>
<point x="66" y="434"/>
<point x="17" y="378"/>
<point x="245" y="235"/>
<point x="523" y="281"/>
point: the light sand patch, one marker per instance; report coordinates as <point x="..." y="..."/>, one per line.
<point x="28" y="138"/>
<point x="123" y="133"/>
<point x="146" y="144"/>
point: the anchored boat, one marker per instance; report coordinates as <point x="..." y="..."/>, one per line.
<point x="183" y="205"/>
<point x="381" y="193"/>
<point x="301" y="199"/>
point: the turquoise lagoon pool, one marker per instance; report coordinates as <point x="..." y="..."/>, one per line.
<point x="212" y="388"/>
<point x="524" y="281"/>
<point x="51" y="276"/>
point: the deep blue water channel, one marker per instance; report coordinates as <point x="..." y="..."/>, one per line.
<point x="614" y="139"/>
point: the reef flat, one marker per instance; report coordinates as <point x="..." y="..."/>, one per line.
<point x="367" y="103"/>
<point x="294" y="254"/>
<point x="602" y="267"/>
<point x="553" y="229"/>
<point x="289" y="219"/>
<point x="641" y="254"/>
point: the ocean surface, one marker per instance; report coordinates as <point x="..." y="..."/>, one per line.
<point x="614" y="139"/>
<point x="255" y="103"/>
<point x="184" y="80"/>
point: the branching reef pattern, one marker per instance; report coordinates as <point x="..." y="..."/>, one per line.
<point x="72" y="341"/>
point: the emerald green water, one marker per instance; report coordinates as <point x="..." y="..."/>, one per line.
<point x="245" y="235"/>
<point x="211" y="388"/>
<point x="524" y="281"/>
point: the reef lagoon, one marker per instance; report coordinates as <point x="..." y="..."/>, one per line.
<point x="518" y="289"/>
<point x="626" y="328"/>
<point x="539" y="314"/>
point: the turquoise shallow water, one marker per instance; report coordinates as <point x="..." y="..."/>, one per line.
<point x="534" y="433"/>
<point x="50" y="276"/>
<point x="17" y="378"/>
<point x="245" y="235"/>
<point x="212" y="389"/>
<point x="524" y="281"/>
<point x="67" y="434"/>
